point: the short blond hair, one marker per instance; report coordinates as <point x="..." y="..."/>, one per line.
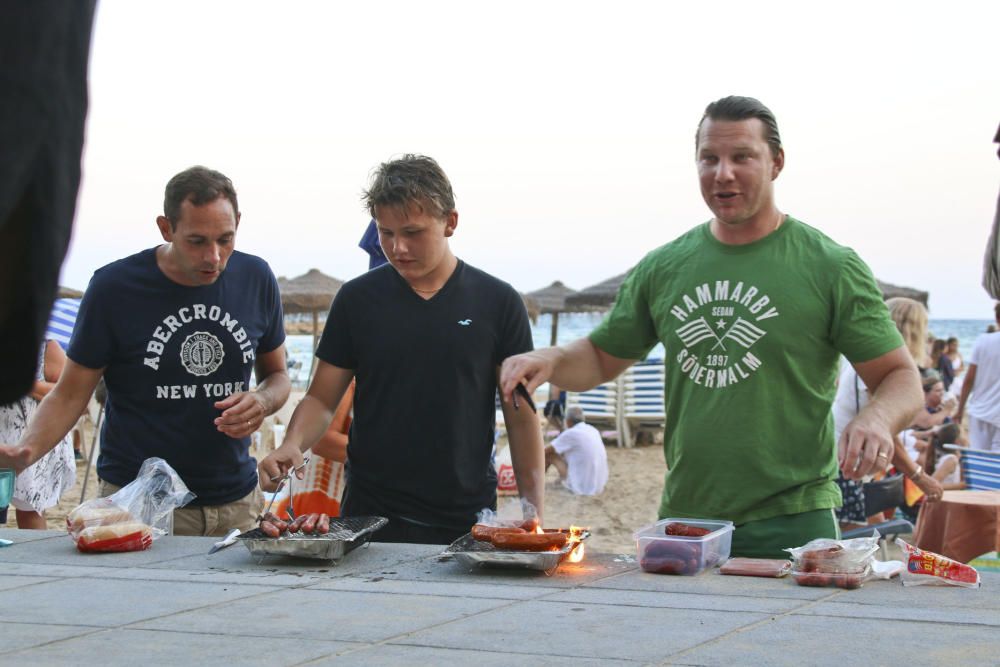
<point x="910" y="318"/>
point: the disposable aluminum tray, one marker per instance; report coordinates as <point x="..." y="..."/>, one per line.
<point x="345" y="535"/>
<point x="473" y="553"/>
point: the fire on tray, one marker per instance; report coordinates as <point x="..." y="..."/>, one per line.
<point x="514" y="538"/>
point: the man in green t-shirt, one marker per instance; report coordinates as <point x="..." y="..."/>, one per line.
<point x="754" y="309"/>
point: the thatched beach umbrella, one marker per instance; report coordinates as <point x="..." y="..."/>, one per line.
<point x="552" y="300"/>
<point x="596" y="297"/>
<point x="311" y="292"/>
<point x="890" y="291"/>
<point x="69" y="293"/>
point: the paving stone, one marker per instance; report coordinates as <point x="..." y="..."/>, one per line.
<point x="109" y="602"/>
<point x="584" y="630"/>
<point x="970" y="614"/>
<point x="346" y="615"/>
<point x="16" y="636"/>
<point x="675" y="600"/>
<point x="10" y="580"/>
<point x="713" y="583"/>
<point x="799" y="640"/>
<point x="389" y="655"/>
<point x="383" y="585"/>
<point x="128" y="647"/>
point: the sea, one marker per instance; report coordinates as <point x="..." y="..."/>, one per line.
<point x="577" y="325"/>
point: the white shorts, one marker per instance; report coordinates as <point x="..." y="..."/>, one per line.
<point x="983" y="435"/>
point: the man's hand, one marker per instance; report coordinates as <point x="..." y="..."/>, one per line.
<point x="531" y="369"/>
<point x="17" y="457"/>
<point x="242" y="414"/>
<point x="276" y="464"/>
<point x="865" y="446"/>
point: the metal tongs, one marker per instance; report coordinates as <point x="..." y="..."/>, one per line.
<point x="287" y="477"/>
<point x="523" y="391"/>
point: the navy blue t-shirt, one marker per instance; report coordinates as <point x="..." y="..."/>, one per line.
<point x="170" y="352"/>
<point x="424" y="413"/>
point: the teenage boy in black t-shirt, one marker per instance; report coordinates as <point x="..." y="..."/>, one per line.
<point x="424" y="336"/>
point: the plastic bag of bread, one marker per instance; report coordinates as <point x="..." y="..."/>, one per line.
<point x="134" y="516"/>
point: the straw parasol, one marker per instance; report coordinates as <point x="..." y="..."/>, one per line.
<point x="311" y="292"/>
<point x="890" y="291"/>
<point x="596" y="297"/>
<point x="552" y="300"/>
<point x="603" y="294"/>
<point x="69" y="293"/>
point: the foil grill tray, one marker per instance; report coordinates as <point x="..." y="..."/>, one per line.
<point x="346" y="534"/>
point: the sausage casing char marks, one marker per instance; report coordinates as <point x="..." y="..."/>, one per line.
<point x="484" y="533"/>
<point x="531" y="541"/>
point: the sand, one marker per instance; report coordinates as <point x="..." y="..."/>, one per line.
<point x="629" y="500"/>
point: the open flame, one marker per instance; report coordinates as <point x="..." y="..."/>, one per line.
<point x="577" y="554"/>
<point x="576" y="537"/>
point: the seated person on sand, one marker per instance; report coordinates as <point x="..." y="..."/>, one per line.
<point x="578" y="454"/>
<point x="936" y="411"/>
<point x="937" y="461"/>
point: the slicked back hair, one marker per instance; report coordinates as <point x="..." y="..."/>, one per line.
<point x="201" y="186"/>
<point x="735" y="108"/>
<point x="411" y="179"/>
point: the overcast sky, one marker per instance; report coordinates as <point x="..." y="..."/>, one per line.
<point x="566" y="128"/>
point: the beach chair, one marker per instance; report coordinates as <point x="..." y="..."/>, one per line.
<point x="980" y="468"/>
<point x="600" y="405"/>
<point x="642" y="400"/>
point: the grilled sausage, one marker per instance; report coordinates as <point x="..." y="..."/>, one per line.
<point x="323" y="525"/>
<point x="269" y="529"/>
<point x="530" y="541"/>
<point x="309" y="525"/>
<point x="296" y="525"/>
<point x="485" y="533"/>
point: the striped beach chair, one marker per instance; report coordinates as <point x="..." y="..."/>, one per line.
<point x="980" y="469"/>
<point x="601" y="407"/>
<point x="642" y="392"/>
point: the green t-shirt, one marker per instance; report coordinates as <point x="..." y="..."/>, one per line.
<point x="752" y="336"/>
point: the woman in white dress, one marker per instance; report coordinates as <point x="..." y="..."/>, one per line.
<point x="40" y="485"/>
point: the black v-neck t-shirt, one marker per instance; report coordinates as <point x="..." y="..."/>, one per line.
<point x="424" y="411"/>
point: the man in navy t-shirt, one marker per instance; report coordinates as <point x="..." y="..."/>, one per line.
<point x="175" y="331"/>
<point x="424" y="336"/>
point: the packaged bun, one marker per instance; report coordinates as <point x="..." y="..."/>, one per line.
<point x="131" y="536"/>
<point x="90" y="514"/>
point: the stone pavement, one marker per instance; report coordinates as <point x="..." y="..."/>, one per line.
<point x="393" y="604"/>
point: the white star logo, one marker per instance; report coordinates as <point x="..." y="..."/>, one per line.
<point x="721" y="324"/>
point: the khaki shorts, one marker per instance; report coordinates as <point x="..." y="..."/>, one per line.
<point x="210" y="520"/>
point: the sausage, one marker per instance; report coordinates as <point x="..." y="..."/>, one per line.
<point x="684" y="530"/>
<point x="296" y="525"/>
<point x="269" y="529"/>
<point x="484" y="533"/>
<point x="323" y="525"/>
<point x="530" y="541"/>
<point x="280" y="524"/>
<point x="756" y="567"/>
<point x="309" y="525"/>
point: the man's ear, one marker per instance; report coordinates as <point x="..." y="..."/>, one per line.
<point x="450" y="223"/>
<point x="166" y="229"/>
<point x="779" y="163"/>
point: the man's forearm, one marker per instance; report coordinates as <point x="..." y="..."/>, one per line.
<point x="274" y="391"/>
<point x="53" y="419"/>
<point x="577" y="366"/>
<point x="309" y="422"/>
<point x="897" y="400"/>
<point x="527" y="455"/>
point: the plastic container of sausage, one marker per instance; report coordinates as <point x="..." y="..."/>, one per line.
<point x="661" y="553"/>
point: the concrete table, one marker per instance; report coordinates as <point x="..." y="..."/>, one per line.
<point x="402" y="604"/>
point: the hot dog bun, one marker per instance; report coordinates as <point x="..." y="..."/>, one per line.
<point x="88" y="515"/>
<point x="131" y="536"/>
